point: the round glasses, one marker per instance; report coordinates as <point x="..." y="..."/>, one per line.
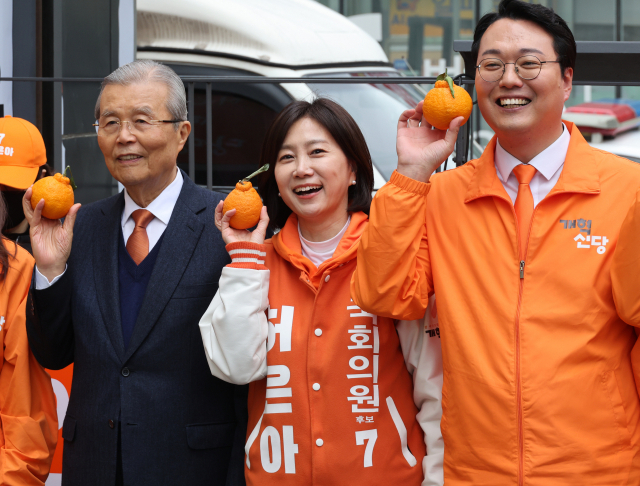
<point x="138" y="126"/>
<point x="527" y="67"/>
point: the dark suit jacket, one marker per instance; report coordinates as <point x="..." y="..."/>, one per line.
<point x="179" y="424"/>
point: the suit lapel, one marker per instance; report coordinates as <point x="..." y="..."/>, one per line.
<point x="178" y="243"/>
<point x="105" y="272"/>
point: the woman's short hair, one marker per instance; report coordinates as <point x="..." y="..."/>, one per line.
<point x="344" y="130"/>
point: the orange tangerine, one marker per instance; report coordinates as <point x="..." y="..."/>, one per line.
<point x="247" y="203"/>
<point x="57" y="192"/>
<point x="445" y="102"/>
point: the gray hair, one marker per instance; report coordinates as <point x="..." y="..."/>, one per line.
<point x="147" y="70"/>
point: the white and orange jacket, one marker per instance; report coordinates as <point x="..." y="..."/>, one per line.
<point x="336" y="405"/>
<point x="28" y="417"/>
<point x="538" y="379"/>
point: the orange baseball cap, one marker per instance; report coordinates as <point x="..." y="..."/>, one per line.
<point x="22" y="152"/>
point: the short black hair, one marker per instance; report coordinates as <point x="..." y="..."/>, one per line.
<point x="563" y="42"/>
<point x="344" y="130"/>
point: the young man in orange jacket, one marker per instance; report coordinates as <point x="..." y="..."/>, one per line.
<point x="518" y="246"/>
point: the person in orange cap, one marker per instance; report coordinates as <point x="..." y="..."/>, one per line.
<point x="23" y="160"/>
<point x="28" y="416"/>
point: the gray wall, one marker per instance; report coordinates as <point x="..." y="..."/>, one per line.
<point x="66" y="38"/>
<point x="89" y="49"/>
<point x="25" y="39"/>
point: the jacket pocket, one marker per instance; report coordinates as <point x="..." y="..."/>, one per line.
<point x="617" y="405"/>
<point x="210" y="436"/>
<point x="68" y="428"/>
<point x="195" y="291"/>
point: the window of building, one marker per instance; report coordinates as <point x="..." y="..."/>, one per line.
<point x="418" y="35"/>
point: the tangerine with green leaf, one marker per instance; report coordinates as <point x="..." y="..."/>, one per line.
<point x="57" y="192"/>
<point x="246" y="201"/>
<point x="445" y="102"/>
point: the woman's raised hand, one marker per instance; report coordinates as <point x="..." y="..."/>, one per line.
<point x="232" y="235"/>
<point x="421" y="149"/>
<point x="50" y="239"/>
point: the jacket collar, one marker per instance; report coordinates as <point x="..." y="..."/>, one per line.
<point x="180" y="238"/>
<point x="579" y="173"/>
<point x="547" y="162"/>
<point x="179" y="241"/>
<point x="287" y="243"/>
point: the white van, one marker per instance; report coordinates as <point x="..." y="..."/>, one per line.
<point x="625" y="145"/>
<point x="275" y="38"/>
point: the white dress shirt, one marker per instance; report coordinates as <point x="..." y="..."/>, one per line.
<point x="161" y="207"/>
<point x="320" y="251"/>
<point x="548" y="163"/>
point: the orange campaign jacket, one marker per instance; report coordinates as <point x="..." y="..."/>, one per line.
<point x="357" y="425"/>
<point x="538" y="382"/>
<point x="625" y="276"/>
<point x="29" y="421"/>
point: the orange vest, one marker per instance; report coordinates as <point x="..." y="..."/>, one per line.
<point x="538" y="382"/>
<point x="336" y="406"/>
<point x="29" y="422"/>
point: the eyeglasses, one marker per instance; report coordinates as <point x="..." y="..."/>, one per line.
<point x="138" y="126"/>
<point x="527" y="67"/>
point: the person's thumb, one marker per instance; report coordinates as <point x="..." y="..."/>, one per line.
<point x="261" y="229"/>
<point x="70" y="218"/>
<point x="226" y="218"/>
<point x="452" y="134"/>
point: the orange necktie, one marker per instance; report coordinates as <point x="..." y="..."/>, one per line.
<point x="524" y="203"/>
<point x="138" y="242"/>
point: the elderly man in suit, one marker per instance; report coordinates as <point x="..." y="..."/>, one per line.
<point x="123" y="302"/>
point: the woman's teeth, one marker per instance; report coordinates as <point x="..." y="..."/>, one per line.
<point x="307" y="189"/>
<point x="128" y="157"/>
<point x="509" y="102"/>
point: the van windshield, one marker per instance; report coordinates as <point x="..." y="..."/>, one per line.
<point x="376" y="108"/>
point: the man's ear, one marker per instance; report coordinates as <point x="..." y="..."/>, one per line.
<point x="567" y="81"/>
<point x="183" y="132"/>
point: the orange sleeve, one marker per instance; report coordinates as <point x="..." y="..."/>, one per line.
<point x="393" y="274"/>
<point x="29" y="421"/>
<point x="625" y="268"/>
<point x="245" y="254"/>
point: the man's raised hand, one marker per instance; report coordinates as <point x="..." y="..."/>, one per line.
<point x="50" y="239"/>
<point x="421" y="148"/>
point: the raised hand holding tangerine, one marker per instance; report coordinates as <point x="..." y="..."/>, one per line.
<point x="445" y="102"/>
<point x="246" y="201"/>
<point x="57" y="192"/>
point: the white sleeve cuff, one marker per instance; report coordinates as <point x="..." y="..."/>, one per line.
<point x="43" y="283"/>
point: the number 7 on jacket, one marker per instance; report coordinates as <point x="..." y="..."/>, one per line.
<point x="371" y="436"/>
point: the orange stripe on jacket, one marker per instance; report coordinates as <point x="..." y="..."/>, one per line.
<point x="245" y="254"/>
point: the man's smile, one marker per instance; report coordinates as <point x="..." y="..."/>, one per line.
<point x="512" y="101"/>
<point x="128" y="158"/>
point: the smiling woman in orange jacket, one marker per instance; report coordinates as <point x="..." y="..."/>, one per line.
<point x="337" y="404"/>
<point x="28" y="418"/>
